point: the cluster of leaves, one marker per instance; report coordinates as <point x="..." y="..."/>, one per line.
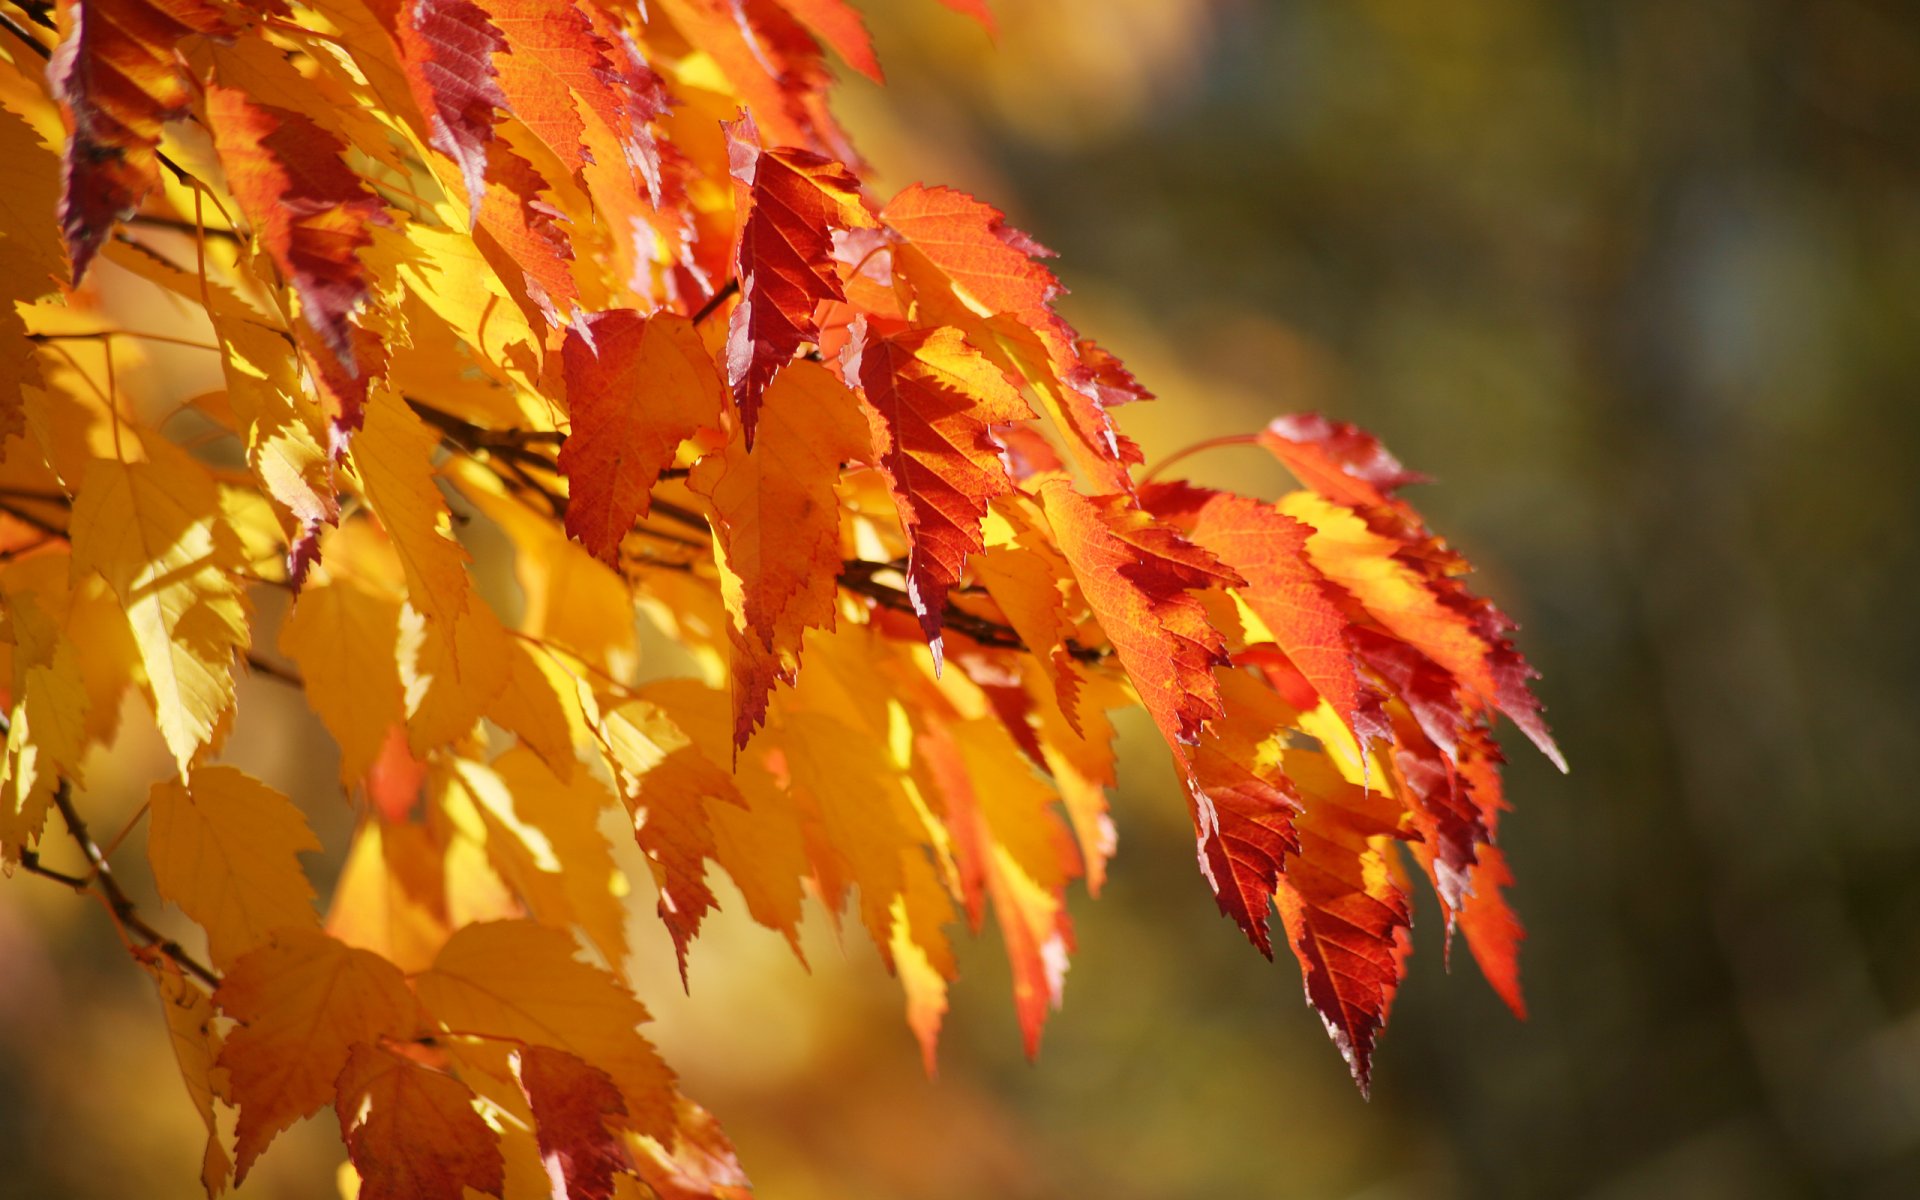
<point x="600" y="276"/>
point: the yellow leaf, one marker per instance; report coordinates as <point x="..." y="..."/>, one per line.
<point x="196" y="1044"/>
<point x="342" y="636"/>
<point x="521" y="981"/>
<point x="543" y="836"/>
<point x="223" y="847"/>
<point x="153" y="531"/>
<point x="393" y="455"/>
<point x="390" y="897"/>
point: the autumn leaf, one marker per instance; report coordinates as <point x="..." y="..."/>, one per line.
<point x="777" y="528"/>
<point x="412" y="346"/>
<point x="932" y="401"/>
<point x="308" y="208"/>
<point x="117" y="74"/>
<point x="577" y="1113"/>
<point x="412" y="1131"/>
<point x="1138" y="576"/>
<point x="794" y="201"/>
<point x="153" y="531"/>
<point x="1345" y="915"/>
<point x="637" y="386"/>
<point x="303" y="1002"/>
<point x="520" y="981"/>
<point x="223" y="847"/>
<point x="196" y="1046"/>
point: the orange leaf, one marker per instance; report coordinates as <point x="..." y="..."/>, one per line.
<point x="412" y="1132"/>
<point x="118" y="74"/>
<point x="636" y="387"/>
<point x="1138" y="575"/>
<point x="223" y="847"/>
<point x="792" y="202"/>
<point x="932" y="401"/>
<point x="573" y="1105"/>
<point x="1345" y="915"/>
<point x="1292" y="599"/>
<point x="839" y="25"/>
<point x="303" y="1002"/>
<point x="520" y="981"/>
<point x="777" y="528"/>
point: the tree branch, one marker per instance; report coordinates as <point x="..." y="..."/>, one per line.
<point x="101" y="881"/>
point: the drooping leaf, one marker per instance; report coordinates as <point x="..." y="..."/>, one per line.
<point x="794" y="200"/>
<point x="521" y="981"/>
<point x="303" y="1002"/>
<point x="637" y="386"/>
<point x="196" y="1046"/>
<point x="777" y="528"/>
<point x="577" y="1113"/>
<point x="117" y="73"/>
<point x="1346" y="917"/>
<point x="155" y="533"/>
<point x="223" y="847"/>
<point x="307" y="207"/>
<point x="412" y="1132"/>
<point x="932" y="401"/>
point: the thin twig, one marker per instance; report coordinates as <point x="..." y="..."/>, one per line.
<point x="728" y="290"/>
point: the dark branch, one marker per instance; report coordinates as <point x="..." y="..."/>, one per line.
<point x="728" y="290"/>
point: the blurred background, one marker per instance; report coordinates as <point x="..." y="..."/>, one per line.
<point x="1638" y="282"/>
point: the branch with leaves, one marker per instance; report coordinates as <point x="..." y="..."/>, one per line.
<point x="592" y="288"/>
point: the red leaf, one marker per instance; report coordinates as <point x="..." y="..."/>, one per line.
<point x="449" y="46"/>
<point x="932" y="402"/>
<point x="1342" y="462"/>
<point x="573" y="1104"/>
<point x="1345" y="915"/>
<point x="308" y="208"/>
<point x="978" y="10"/>
<point x="838" y="24"/>
<point x="636" y="386"/>
<point x="793" y="201"/>
<point x="412" y="1132"/>
<point x="1138" y="575"/>
<point x="116" y="73"/>
<point x="1251" y="830"/>
<point x="962" y="261"/>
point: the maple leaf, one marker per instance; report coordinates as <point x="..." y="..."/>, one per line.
<point x="412" y="1131"/>
<point x="794" y="201"/>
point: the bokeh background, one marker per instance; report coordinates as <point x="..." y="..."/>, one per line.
<point x="1638" y="282"/>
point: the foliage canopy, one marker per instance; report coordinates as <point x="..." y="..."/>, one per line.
<point x="605" y="278"/>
